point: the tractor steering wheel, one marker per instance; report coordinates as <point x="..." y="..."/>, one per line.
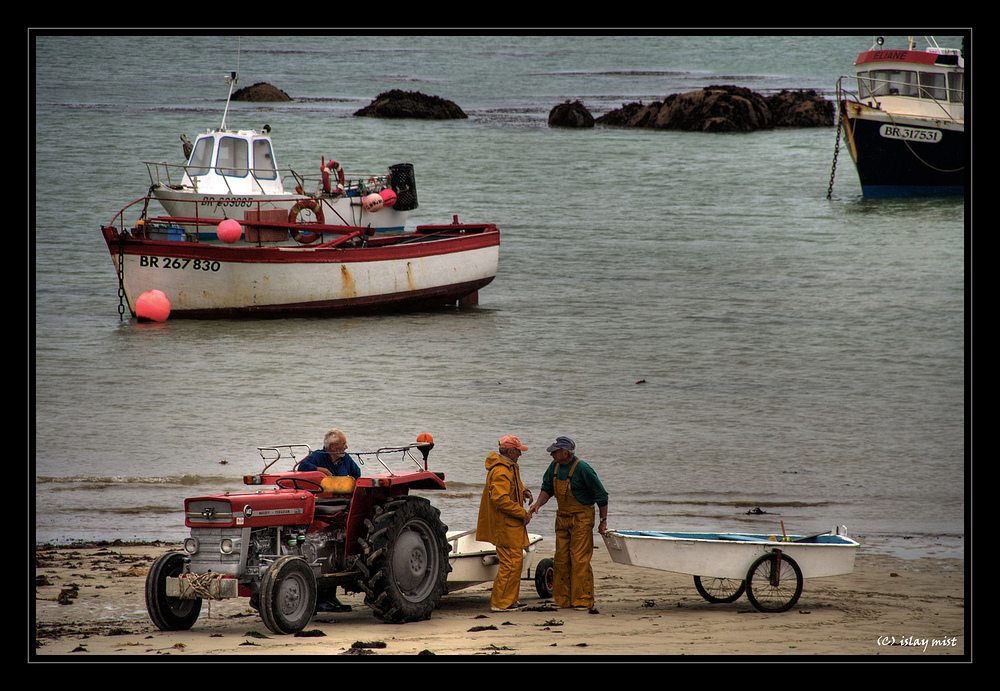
<point x="295" y="484"/>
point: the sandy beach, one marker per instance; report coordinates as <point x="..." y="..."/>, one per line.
<point x="89" y="605"/>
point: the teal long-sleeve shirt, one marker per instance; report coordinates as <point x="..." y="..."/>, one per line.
<point x="585" y="485"/>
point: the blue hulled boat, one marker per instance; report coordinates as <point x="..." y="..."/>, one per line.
<point x="905" y="125"/>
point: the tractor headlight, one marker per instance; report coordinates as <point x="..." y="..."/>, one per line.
<point x="226" y="546"/>
<point x="191" y="545"/>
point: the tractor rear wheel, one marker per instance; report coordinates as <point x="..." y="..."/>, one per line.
<point x="405" y="560"/>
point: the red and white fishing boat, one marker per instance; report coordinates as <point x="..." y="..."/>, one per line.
<point x="264" y="266"/>
<point x="228" y="171"/>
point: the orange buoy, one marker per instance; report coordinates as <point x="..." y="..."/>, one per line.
<point x="230" y="231"/>
<point x="388" y="197"/>
<point x="425" y="439"/>
<point x="152" y="305"/>
<point x="372" y="203"/>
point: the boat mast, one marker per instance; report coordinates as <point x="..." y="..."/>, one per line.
<point x="231" y="81"/>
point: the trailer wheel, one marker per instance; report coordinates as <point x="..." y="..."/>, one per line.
<point x="287" y="595"/>
<point x="169" y="613"/>
<point x="405" y="560"/>
<point x="719" y="590"/>
<point x="774" y="583"/>
<point x="544" y="578"/>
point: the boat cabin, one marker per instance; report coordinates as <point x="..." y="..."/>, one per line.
<point x="233" y="162"/>
<point x="928" y="83"/>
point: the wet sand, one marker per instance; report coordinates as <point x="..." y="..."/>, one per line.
<point x="89" y="606"/>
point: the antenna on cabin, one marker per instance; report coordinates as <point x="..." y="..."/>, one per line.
<point x="231" y="81"/>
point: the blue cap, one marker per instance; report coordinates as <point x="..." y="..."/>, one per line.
<point x="562" y="443"/>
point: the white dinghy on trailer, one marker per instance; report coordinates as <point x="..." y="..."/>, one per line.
<point x="769" y="568"/>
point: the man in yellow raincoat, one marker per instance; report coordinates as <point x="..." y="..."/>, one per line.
<point x="502" y="521"/>
<point x="577" y="490"/>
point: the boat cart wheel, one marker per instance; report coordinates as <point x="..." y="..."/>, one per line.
<point x="544" y="578"/>
<point x="718" y="590"/>
<point x="774" y="582"/>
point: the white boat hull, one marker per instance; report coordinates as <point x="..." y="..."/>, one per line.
<point x="474" y="562"/>
<point x="432" y="267"/>
<point x="718" y="555"/>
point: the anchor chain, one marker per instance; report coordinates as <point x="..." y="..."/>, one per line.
<point x="836" y="152"/>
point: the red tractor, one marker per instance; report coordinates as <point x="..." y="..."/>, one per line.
<point x="297" y="536"/>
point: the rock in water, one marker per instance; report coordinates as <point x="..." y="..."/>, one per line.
<point x="800" y="109"/>
<point x="570" y="115"/>
<point x="411" y="104"/>
<point x="725" y="109"/>
<point x="261" y="93"/>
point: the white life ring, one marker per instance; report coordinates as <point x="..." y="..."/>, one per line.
<point x="326" y="169"/>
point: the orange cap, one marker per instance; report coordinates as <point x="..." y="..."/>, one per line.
<point x="425" y="438"/>
<point x="512" y="441"/>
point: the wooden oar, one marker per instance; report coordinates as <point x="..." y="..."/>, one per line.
<point x="806" y="538"/>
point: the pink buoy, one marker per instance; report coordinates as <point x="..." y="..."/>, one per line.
<point x="152" y="305"/>
<point x="372" y="203"/>
<point x="230" y="231"/>
<point x="388" y="197"/>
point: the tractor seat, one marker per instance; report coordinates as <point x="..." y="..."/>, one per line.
<point x="338" y="484"/>
<point x="342" y="487"/>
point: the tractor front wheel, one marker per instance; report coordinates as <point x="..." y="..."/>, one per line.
<point x="287" y="595"/>
<point x="169" y="613"/>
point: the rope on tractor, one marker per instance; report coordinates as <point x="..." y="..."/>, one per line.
<point x="203" y="585"/>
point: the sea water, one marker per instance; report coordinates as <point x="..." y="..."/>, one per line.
<point x="731" y="349"/>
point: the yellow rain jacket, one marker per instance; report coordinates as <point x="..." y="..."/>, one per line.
<point x="501" y="521"/>
<point x="501" y="513"/>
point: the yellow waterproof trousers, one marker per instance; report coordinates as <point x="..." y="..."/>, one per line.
<point x="507" y="584"/>
<point x="574" y="577"/>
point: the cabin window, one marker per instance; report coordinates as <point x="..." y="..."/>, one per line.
<point x="956" y="87"/>
<point x="232" y="157"/>
<point x="201" y="157"/>
<point x="263" y="160"/>
<point x="932" y="85"/>
<point x="864" y="86"/>
<point x="887" y="83"/>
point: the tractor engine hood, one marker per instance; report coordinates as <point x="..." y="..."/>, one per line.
<point x="250" y="509"/>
